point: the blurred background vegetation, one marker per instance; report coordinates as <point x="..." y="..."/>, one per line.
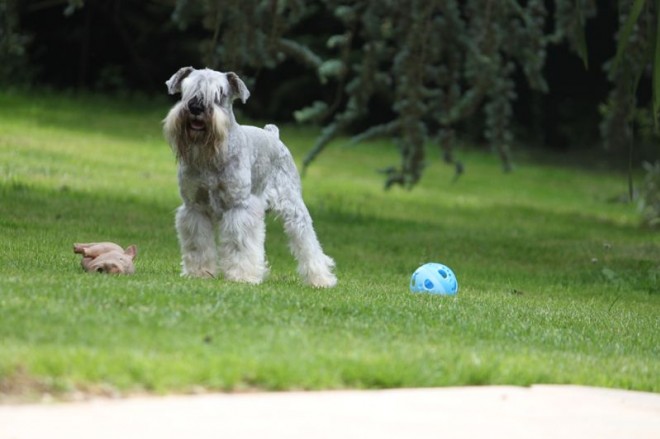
<point x="561" y="75"/>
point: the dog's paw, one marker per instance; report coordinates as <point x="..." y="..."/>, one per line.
<point x="245" y="278"/>
<point x="318" y="274"/>
<point x="327" y="280"/>
<point x="254" y="276"/>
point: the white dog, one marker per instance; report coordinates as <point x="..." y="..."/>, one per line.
<point x="229" y="176"/>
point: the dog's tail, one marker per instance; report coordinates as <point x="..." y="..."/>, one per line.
<point x="273" y="129"/>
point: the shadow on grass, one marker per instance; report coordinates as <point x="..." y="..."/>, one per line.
<point x="498" y="243"/>
<point x="155" y="331"/>
<point x="39" y="226"/>
<point x="90" y="113"/>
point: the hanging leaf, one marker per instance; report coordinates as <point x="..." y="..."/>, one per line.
<point x="656" y="68"/>
<point x="580" y="37"/>
<point x="624" y="37"/>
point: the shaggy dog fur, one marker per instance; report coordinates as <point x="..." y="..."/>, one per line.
<point x="229" y="176"/>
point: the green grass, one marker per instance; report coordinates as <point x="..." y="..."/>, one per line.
<point x="556" y="284"/>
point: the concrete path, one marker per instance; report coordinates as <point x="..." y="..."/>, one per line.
<point x="472" y="412"/>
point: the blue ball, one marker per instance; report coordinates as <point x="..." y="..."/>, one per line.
<point x="435" y="279"/>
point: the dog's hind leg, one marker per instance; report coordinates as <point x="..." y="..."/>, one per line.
<point x="197" y="240"/>
<point x="314" y="266"/>
<point x="242" y="238"/>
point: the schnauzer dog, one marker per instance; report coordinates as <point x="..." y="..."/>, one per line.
<point x="229" y="176"/>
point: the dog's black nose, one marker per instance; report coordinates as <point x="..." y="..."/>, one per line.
<point x="195" y="106"/>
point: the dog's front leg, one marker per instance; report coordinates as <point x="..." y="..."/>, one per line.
<point x="197" y="239"/>
<point x="242" y="236"/>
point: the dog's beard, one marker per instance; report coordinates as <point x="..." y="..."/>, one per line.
<point x="197" y="140"/>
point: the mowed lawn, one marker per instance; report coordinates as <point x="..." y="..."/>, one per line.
<point x="557" y="284"/>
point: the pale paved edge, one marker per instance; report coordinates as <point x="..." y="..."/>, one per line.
<point x="466" y="412"/>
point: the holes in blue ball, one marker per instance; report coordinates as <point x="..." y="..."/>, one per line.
<point x="442" y="273"/>
<point x="428" y="284"/>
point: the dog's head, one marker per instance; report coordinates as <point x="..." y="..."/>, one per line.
<point x="202" y="89"/>
<point x="113" y="262"/>
<point x="197" y="125"/>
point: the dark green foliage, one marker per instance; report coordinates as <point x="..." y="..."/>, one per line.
<point x="649" y="203"/>
<point x="248" y="32"/>
<point x="626" y="70"/>
<point x="422" y="72"/>
<point x="435" y="64"/>
<point x="12" y="42"/>
<point x="638" y="48"/>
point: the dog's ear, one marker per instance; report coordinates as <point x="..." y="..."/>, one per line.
<point x="238" y="88"/>
<point x="174" y="83"/>
<point x="131" y="251"/>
